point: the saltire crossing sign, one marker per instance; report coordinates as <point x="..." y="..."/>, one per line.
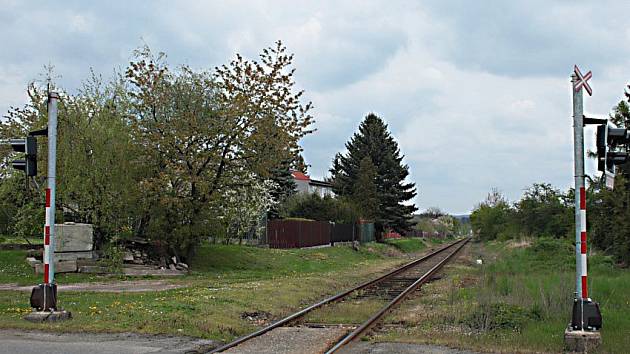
<point x="582" y="81"/>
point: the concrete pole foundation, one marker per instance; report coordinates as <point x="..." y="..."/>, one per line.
<point x="48" y="316"/>
<point x="579" y="341"/>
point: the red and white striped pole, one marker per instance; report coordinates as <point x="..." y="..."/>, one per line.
<point x="49" y="228"/>
<point x="582" y="268"/>
<point x="47" y="275"/>
<point x="581" y="291"/>
<point x="580" y="197"/>
<point x="585" y="315"/>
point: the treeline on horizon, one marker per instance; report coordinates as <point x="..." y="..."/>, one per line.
<point x="544" y="211"/>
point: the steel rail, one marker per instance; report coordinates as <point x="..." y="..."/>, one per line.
<point x="377" y="316"/>
<point x="331" y="299"/>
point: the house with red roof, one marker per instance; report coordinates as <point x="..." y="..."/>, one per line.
<point x="305" y="184"/>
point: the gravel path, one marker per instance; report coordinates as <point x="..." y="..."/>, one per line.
<point x="292" y="340"/>
<point x="113" y="287"/>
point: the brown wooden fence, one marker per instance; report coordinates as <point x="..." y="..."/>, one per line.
<point x="304" y="233"/>
<point x="297" y="233"/>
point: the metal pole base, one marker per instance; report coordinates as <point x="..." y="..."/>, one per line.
<point x="44" y="297"/>
<point x="586" y="315"/>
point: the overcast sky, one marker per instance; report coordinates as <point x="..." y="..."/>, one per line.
<point x="476" y="93"/>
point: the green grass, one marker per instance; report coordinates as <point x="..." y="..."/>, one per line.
<point x="201" y="311"/>
<point x="518" y="301"/>
<point x="226" y="281"/>
<point x="4" y="239"/>
<point x="239" y="262"/>
<point x="15" y="270"/>
<point x="408" y="245"/>
<point x="261" y="263"/>
<point x="440" y="241"/>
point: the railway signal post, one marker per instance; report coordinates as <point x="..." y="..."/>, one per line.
<point x="44" y="296"/>
<point x="583" y="332"/>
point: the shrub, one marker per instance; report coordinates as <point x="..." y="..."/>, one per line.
<point x="547" y="246"/>
<point x="113" y="255"/>
<point x="497" y="316"/>
<point x="314" y="207"/>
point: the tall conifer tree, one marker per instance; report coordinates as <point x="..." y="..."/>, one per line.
<point x="373" y="140"/>
<point x="365" y="194"/>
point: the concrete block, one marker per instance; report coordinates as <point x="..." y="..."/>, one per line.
<point x="73" y="256"/>
<point x="87" y="262"/>
<point x="577" y="341"/>
<point x="48" y="316"/>
<point x="60" y="267"/>
<point x="128" y="257"/>
<point x="32" y="261"/>
<point x="74" y="237"/>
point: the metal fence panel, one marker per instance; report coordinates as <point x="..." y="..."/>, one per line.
<point x="367" y="233"/>
<point x="344" y="233"/>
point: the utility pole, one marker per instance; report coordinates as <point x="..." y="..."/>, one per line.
<point x="583" y="332"/>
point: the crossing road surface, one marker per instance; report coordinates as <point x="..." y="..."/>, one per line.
<point x="27" y="342"/>
<point x="30" y="342"/>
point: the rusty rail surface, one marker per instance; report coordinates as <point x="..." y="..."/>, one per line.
<point x="372" y="321"/>
<point x="297" y="315"/>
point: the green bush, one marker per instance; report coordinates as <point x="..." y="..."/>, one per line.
<point x="546" y="246"/>
<point x="498" y="316"/>
<point x="113" y="255"/>
<point x="314" y="207"/>
<point x="29" y="221"/>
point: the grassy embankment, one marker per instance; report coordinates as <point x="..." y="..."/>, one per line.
<point x="519" y="300"/>
<point x="227" y="284"/>
<point x="5" y="239"/>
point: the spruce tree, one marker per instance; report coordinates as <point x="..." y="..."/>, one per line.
<point x="374" y="141"/>
<point x="284" y="186"/>
<point x="365" y="194"/>
<point x="299" y="164"/>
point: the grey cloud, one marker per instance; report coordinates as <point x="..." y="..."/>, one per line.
<point x="348" y="55"/>
<point x="533" y="37"/>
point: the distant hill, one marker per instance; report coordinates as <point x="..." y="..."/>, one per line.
<point x="464" y="218"/>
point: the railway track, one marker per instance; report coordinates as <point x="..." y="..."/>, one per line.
<point x="390" y="289"/>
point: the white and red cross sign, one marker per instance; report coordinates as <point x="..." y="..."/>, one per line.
<point x="582" y="80"/>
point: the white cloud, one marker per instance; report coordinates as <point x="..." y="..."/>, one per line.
<point x="80" y="23"/>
